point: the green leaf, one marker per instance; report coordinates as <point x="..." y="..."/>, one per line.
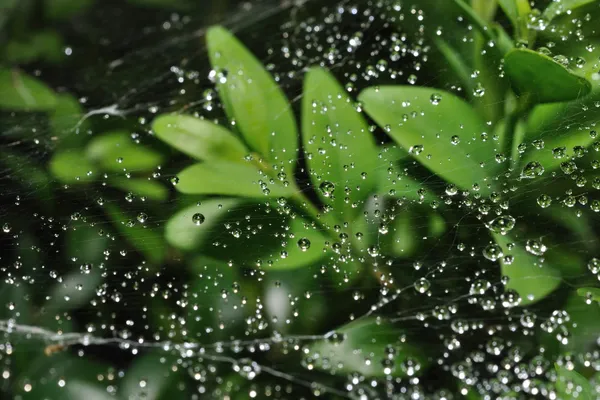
<point x="404" y="236"/>
<point x="561" y="7"/>
<point x="21" y="92"/>
<point x="199" y="138"/>
<point x="412" y="119"/>
<point x="299" y="233"/>
<point x="186" y="233"/>
<point x="59" y="10"/>
<point x="590" y="293"/>
<point x="253" y="99"/>
<point x="571" y="385"/>
<point x="540" y="79"/>
<point x="517" y="12"/>
<point x="531" y="279"/>
<point x="338" y="144"/>
<point x="455" y="61"/>
<point x="145" y="239"/>
<point x="75" y="290"/>
<point x="364" y="339"/>
<point x="71" y="166"/>
<point x="142" y="187"/>
<point x="180" y="5"/>
<point x="115" y="151"/>
<point x="230" y="179"/>
<point x="66" y="125"/>
<point x="153" y="369"/>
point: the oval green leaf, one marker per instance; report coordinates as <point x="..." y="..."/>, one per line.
<point x="364" y="339"/>
<point x="590" y="292"/>
<point x="21" y="92"/>
<point x="540" y="79"/>
<point x="419" y="122"/>
<point x="71" y="166"/>
<point x="148" y="188"/>
<point x="253" y="99"/>
<point x="115" y="151"/>
<point x="199" y="138"/>
<point x="571" y="385"/>
<point x="230" y="179"/>
<point x="532" y="280"/>
<point x="339" y="147"/>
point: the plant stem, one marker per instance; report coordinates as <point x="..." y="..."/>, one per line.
<point x="511" y="141"/>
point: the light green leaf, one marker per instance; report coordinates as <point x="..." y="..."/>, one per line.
<point x="144" y="238"/>
<point x="230" y="179"/>
<point x="364" y="339"/>
<point x="530" y="278"/>
<point x="517" y="12"/>
<point x="115" y="151"/>
<point x="71" y="166"/>
<point x="80" y="389"/>
<point x="75" y="290"/>
<point x="571" y="385"/>
<point x="404" y="234"/>
<point x="300" y="232"/>
<point x="590" y="292"/>
<point x="560" y="7"/>
<point x="540" y="79"/>
<point x="185" y="232"/>
<point x="201" y="139"/>
<point x="253" y="99"/>
<point x="21" y="92"/>
<point x="142" y="187"/>
<point x="417" y="120"/>
<point x="66" y="125"/>
<point x="338" y="144"/>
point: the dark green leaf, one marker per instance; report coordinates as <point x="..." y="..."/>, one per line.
<point x="231" y="179"/>
<point x="116" y="151"/>
<point x="528" y="276"/>
<point x="340" y="149"/>
<point x="364" y="339"/>
<point x="71" y="166"/>
<point x="540" y="79"/>
<point x="84" y="243"/>
<point x="148" y="188"/>
<point x="571" y="385"/>
<point x="199" y="138"/>
<point x="253" y="99"/>
<point x="145" y="239"/>
<point x="590" y="293"/>
<point x="27" y="173"/>
<point x="180" y="5"/>
<point x="153" y="369"/>
<point x="65" y="9"/>
<point x="21" y="92"/>
<point x="417" y="120"/>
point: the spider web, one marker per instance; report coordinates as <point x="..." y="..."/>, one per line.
<point x="160" y="314"/>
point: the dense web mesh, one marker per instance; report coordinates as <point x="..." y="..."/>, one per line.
<point x="117" y="283"/>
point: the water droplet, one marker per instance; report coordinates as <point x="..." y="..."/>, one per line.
<point x="435" y="99"/>
<point x="502" y="224"/>
<point x="142" y="217"/>
<point x="544" y="200"/>
<point x="327" y="188"/>
<point x="492" y="252"/>
<point x="304" y="244"/>
<point x="532" y="170"/>
<point x="6" y="228"/>
<point x="198" y="219"/>
<point x="535" y="247"/>
<point x="422" y="285"/>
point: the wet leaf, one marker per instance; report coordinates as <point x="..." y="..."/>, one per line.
<point x="253" y="99"/>
<point x="540" y="79"/>
<point x="530" y="278"/>
<point x="303" y="248"/>
<point x="146" y="239"/>
<point x="75" y="290"/>
<point x="427" y="127"/>
<point x="590" y="292"/>
<point x="192" y="226"/>
<point x="339" y="147"/>
<point x="199" y="138"/>
<point x="365" y="339"/>
<point x="571" y="385"/>
<point x="148" y="188"/>
<point x="556" y="8"/>
<point x="68" y="128"/>
<point x="72" y="167"/>
<point x="115" y="151"/>
<point x="217" y="177"/>
<point x="21" y="92"/>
